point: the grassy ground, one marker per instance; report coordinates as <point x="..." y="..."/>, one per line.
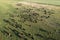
<point x="22" y="22"/>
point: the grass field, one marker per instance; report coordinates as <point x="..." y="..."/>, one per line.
<point x="52" y="2"/>
<point x="24" y="22"/>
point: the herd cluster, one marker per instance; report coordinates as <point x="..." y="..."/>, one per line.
<point x="16" y="21"/>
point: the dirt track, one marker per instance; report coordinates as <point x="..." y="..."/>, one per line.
<point x="39" y="5"/>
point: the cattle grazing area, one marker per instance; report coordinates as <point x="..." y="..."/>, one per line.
<point x="20" y="21"/>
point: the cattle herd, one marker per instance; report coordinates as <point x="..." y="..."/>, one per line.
<point x="27" y="15"/>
